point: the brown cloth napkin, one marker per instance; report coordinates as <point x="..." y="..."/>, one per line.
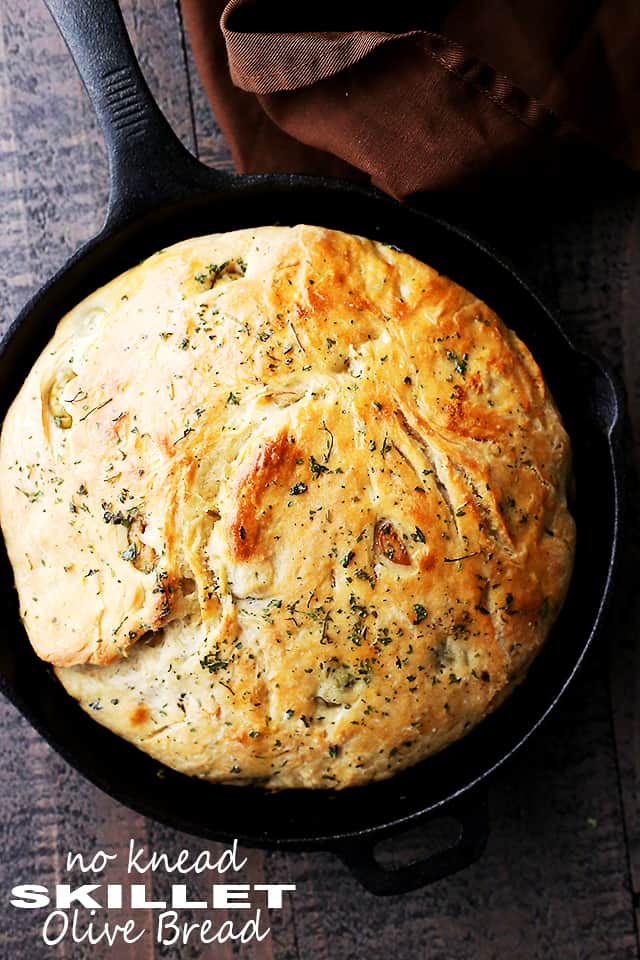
<point x="461" y="93"/>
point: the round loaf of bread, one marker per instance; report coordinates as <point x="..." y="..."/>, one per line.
<point x="286" y="506"/>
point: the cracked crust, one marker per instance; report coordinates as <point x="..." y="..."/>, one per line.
<point x="286" y="506"/>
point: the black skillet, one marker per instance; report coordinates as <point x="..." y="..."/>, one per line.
<point x="161" y="194"/>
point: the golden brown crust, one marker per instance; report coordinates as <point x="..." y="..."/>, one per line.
<point x="286" y="505"/>
<point x="271" y="467"/>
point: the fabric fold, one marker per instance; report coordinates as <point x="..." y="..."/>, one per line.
<point x="417" y="109"/>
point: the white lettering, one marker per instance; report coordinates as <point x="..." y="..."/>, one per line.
<point x="228" y="861"/>
<point x="179" y="899"/>
<point x="139" y="899"/>
<point x="134" y="856"/>
<point x="97" y="864"/>
<point x="29" y="896"/>
<point x="168" y="920"/>
<point x="252" y="929"/>
<point x="274" y="893"/>
<point x="170" y="931"/>
<point x="114" y="895"/>
<point x="94" y="932"/>
<point x="65" y="896"/>
<point x="52" y="940"/>
<point x="204" y="861"/>
<point x="105" y="931"/>
<point x="230" y="895"/>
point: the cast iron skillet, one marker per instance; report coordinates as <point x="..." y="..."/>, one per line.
<point x="160" y="194"/>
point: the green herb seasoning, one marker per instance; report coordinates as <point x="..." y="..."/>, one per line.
<point x="459" y="363"/>
<point x="420" y="612"/>
<point x="317" y="469"/>
<point x="213" y="663"/>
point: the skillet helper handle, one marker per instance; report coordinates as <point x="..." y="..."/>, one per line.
<point x="471" y="813"/>
<point x="147" y="161"/>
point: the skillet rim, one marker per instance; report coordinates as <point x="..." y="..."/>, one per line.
<point x="292" y="184"/>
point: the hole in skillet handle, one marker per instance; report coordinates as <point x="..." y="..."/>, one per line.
<point x="470" y="812"/>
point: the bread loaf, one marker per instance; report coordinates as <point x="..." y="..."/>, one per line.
<point x="286" y="506"/>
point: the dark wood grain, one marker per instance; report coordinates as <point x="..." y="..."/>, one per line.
<point x="561" y="873"/>
<point x="625" y="660"/>
<point x="210" y="144"/>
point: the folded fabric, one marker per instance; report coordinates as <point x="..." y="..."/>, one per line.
<point x="465" y="93"/>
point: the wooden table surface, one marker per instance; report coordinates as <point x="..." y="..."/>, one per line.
<point x="561" y="874"/>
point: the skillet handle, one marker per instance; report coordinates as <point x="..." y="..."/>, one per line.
<point x="147" y="162"/>
<point x="471" y="813"/>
